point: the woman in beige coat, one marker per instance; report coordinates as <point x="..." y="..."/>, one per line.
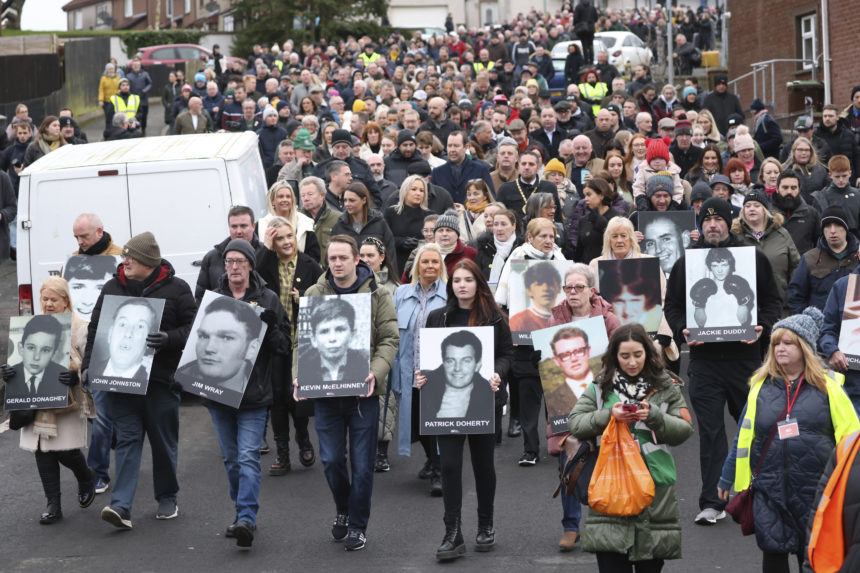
<point x="57" y="435"/>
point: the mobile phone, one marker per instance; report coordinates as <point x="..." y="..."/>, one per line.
<point x="630" y="407"/>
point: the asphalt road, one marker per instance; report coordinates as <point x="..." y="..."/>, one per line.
<point x="296" y="512"/>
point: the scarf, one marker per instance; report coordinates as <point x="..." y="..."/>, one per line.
<point x="447" y="250"/>
<point x="477" y="206"/>
<point x="530" y="252"/>
<point x="99" y="247"/>
<point x="628" y="390"/>
<point x="503" y="250"/>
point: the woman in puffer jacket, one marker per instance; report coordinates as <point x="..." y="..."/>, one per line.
<point x="796" y="412"/>
<point x="633" y="373"/>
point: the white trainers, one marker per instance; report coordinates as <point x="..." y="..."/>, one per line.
<point x="709" y="516"/>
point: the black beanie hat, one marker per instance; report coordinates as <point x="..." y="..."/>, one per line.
<point x="715" y="207"/>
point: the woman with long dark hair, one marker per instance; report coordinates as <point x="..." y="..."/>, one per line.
<point x="470" y="303"/>
<point x="634" y="388"/>
<point x="360" y="219"/>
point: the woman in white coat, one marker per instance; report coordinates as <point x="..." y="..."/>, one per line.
<point x="281" y="202"/>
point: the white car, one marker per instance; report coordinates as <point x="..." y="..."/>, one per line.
<point x="624" y="48"/>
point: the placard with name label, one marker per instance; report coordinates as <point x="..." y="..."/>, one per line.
<point x="222" y="349"/>
<point x="120" y="360"/>
<point x="458" y="363"/>
<point x="334" y="345"/>
<point x="534" y="287"/>
<point x="849" y="330"/>
<point x="38" y="353"/>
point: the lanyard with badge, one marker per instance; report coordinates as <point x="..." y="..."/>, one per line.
<point x="788" y="428"/>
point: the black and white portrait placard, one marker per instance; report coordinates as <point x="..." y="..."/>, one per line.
<point x="38" y="353"/>
<point x="667" y="235"/>
<point x="458" y="364"/>
<point x="632" y="287"/>
<point x="534" y="287"/>
<point x="86" y="276"/>
<point x="571" y="355"/>
<point x="721" y="294"/>
<point x="334" y="345"/>
<point x="120" y="360"/>
<point x="849" y="331"/>
<point x="222" y="348"/>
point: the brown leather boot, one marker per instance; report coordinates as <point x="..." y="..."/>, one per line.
<point x="568" y="541"/>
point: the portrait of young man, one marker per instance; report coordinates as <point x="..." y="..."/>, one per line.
<point x="37" y="375"/>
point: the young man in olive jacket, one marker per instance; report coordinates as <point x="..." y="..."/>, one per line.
<point x="719" y="371"/>
<point x="143" y="273"/>
<point x="357" y="416"/>
<point x="240" y="432"/>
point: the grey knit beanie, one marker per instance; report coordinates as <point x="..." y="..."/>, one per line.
<point x="806" y="325"/>
<point x="448" y="219"/>
<point x="244" y="247"/>
<point x="144" y="249"/>
<point x="661" y="181"/>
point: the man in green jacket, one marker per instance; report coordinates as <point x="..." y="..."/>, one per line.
<point x="358" y="416"/>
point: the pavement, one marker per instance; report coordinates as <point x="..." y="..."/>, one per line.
<point x="296" y="512"/>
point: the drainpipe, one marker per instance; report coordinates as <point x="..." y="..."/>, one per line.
<point x="825" y="33"/>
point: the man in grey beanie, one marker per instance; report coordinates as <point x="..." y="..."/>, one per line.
<point x="143" y="273"/>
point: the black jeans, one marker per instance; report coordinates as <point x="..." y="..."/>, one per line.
<point x="428" y="443"/>
<point x="531" y="394"/>
<point x="48" y="464"/>
<point x="778" y="563"/>
<point x="713" y="385"/>
<point x="619" y="563"/>
<point x="482" y="449"/>
<point x="283" y="408"/>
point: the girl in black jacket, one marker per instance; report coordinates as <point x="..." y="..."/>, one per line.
<point x="470" y="303"/>
<point x="279" y="249"/>
<point x="599" y="197"/>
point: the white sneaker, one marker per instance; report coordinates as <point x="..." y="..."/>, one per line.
<point x="709" y="516"/>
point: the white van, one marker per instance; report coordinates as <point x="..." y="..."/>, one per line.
<point x="178" y="187"/>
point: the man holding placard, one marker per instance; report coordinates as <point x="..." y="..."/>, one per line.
<point x="357" y="417"/>
<point x="143" y="273"/>
<point x="841" y="333"/>
<point x="231" y="362"/>
<point x="719" y="371"/>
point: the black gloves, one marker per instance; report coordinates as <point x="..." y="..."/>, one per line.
<point x="409" y="243"/>
<point x="156" y="340"/>
<point x="665" y="340"/>
<point x="69" y="378"/>
<point x="702" y="291"/>
<point x="269" y="317"/>
<point x="738" y="287"/>
<point x="7" y="373"/>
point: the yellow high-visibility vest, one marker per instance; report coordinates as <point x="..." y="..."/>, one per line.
<point x="129" y="108"/>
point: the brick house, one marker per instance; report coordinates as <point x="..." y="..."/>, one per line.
<point x="761" y="30"/>
<point x="144" y="14"/>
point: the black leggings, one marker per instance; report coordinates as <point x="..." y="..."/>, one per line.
<point x="283" y="408"/>
<point x="619" y="563"/>
<point x="778" y="562"/>
<point x="48" y="464"/>
<point x="482" y="448"/>
<point x="427" y="442"/>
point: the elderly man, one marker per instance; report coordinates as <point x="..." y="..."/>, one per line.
<point x="584" y="162"/>
<point x="644" y="124"/>
<point x="387" y="189"/>
<point x="507" y="155"/>
<point x="602" y="134"/>
<point x="312" y="192"/>
<point x="514" y="194"/>
<point x="341" y="150"/>
<point x="92" y="239"/>
<point x="194" y="119"/>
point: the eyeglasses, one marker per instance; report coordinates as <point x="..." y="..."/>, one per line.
<point x="578" y="288"/>
<point x="576" y="352"/>
<point x="234" y="262"/>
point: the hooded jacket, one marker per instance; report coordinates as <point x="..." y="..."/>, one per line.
<point x="212" y="268"/>
<point x="802" y="223"/>
<point x="396" y="165"/>
<point x="384" y="336"/>
<point x="270" y="136"/>
<point x="847" y="198"/>
<point x="374" y="227"/>
<point x="776" y="243"/>
<point x="817" y="272"/>
<point x="176" y="320"/>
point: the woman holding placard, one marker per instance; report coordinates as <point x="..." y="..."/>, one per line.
<point x="635" y="389"/>
<point x="57" y="435"/>
<point x="470" y="303"/>
<point x="414" y="302"/>
<point x="796" y="413"/>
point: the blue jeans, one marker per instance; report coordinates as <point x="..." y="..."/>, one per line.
<point x="155" y="415"/>
<point x="334" y="418"/>
<point x="240" y="433"/>
<point x="98" y="455"/>
<point x="569" y="504"/>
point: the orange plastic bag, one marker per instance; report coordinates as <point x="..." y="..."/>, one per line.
<point x="621" y="484"/>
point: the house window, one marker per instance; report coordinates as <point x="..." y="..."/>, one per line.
<point x="79" y="19"/>
<point x="187" y="6"/>
<point x="808" y="40"/>
<point x="228" y="23"/>
<point x="169" y="9"/>
<point x="128" y="8"/>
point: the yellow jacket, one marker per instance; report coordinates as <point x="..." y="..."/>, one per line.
<point x="107" y="87"/>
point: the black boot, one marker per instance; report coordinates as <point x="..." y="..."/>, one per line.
<point x="486" y="538"/>
<point x="514" y="428"/>
<point x="453" y="545"/>
<point x="281" y="465"/>
<point x="436" y="483"/>
<point x="87" y="490"/>
<point x="53" y="514"/>
<point x="381" y="464"/>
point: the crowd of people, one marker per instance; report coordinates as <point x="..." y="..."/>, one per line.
<point x="419" y="171"/>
